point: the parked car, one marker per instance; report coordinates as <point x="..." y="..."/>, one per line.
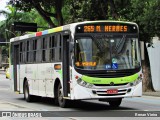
<point x="7" y="73"/>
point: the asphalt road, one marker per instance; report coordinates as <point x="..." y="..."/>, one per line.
<point x="10" y="101"/>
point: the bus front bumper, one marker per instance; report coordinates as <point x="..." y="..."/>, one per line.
<point x="81" y="92"/>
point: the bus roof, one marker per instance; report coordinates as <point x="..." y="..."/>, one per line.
<point x="61" y="28"/>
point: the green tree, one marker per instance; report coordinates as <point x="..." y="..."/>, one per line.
<point x="7" y="24"/>
<point x="146" y="14"/>
<point x="92" y="9"/>
<point x="13" y="15"/>
<point x="50" y="10"/>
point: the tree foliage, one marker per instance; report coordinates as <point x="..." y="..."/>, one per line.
<point x="48" y="9"/>
<point x="13" y="15"/>
<point x="146" y="14"/>
<point x="92" y="9"/>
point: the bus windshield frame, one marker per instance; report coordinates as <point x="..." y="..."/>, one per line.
<point x="101" y="52"/>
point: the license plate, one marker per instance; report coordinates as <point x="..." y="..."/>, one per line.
<point x="114" y="91"/>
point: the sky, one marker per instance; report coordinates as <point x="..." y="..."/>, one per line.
<point x="2" y="7"/>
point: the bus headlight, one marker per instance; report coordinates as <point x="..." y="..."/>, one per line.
<point x="84" y="84"/>
<point x="136" y="82"/>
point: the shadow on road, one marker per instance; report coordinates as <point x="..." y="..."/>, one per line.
<point x="85" y="105"/>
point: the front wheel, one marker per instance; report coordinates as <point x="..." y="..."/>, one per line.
<point x="115" y="103"/>
<point x="27" y="96"/>
<point x="61" y="101"/>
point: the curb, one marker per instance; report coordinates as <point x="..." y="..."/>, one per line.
<point x="155" y="94"/>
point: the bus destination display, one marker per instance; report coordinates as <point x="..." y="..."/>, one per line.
<point x="109" y="28"/>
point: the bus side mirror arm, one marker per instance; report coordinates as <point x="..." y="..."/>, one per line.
<point x="71" y="47"/>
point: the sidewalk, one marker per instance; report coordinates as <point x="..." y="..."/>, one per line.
<point x="155" y="94"/>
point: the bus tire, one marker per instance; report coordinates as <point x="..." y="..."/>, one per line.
<point x="61" y="101"/>
<point x="27" y="96"/>
<point x="115" y="103"/>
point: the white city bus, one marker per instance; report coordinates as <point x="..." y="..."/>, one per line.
<point x="84" y="60"/>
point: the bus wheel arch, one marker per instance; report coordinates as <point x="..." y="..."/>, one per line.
<point x="27" y="96"/>
<point x="25" y="79"/>
<point x="56" y="83"/>
<point x="58" y="95"/>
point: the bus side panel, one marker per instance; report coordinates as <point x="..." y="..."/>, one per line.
<point x="137" y="90"/>
<point x="49" y="79"/>
<point x="11" y="77"/>
<point x="32" y="75"/>
<point x="22" y="75"/>
<point x="41" y="77"/>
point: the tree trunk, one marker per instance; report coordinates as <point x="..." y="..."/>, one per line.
<point x="113" y="9"/>
<point x="43" y="14"/>
<point x="58" y="8"/>
<point x="147" y="80"/>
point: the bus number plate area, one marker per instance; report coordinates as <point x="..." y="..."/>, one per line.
<point x="113" y="91"/>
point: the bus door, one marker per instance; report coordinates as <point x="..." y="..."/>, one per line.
<point x="66" y="63"/>
<point x="15" y="67"/>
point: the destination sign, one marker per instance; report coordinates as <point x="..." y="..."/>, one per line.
<point x="92" y="64"/>
<point x="107" y="28"/>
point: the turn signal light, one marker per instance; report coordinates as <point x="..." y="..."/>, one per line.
<point x="57" y="66"/>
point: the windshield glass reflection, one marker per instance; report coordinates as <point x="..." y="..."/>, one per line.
<point x="102" y="53"/>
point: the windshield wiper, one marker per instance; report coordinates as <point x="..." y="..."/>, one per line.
<point x="120" y="44"/>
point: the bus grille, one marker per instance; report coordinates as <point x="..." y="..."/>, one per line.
<point x="111" y="85"/>
<point x="104" y="93"/>
<point x="111" y="94"/>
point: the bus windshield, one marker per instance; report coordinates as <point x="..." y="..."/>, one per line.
<point x="107" y="53"/>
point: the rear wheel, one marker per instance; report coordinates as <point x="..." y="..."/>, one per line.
<point x="27" y="96"/>
<point x="61" y="101"/>
<point x="115" y="103"/>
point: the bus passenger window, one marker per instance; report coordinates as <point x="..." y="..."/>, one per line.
<point x="51" y="48"/>
<point x="44" y="45"/>
<point x="21" y="52"/>
<point x="27" y="51"/>
<point x="34" y="50"/>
